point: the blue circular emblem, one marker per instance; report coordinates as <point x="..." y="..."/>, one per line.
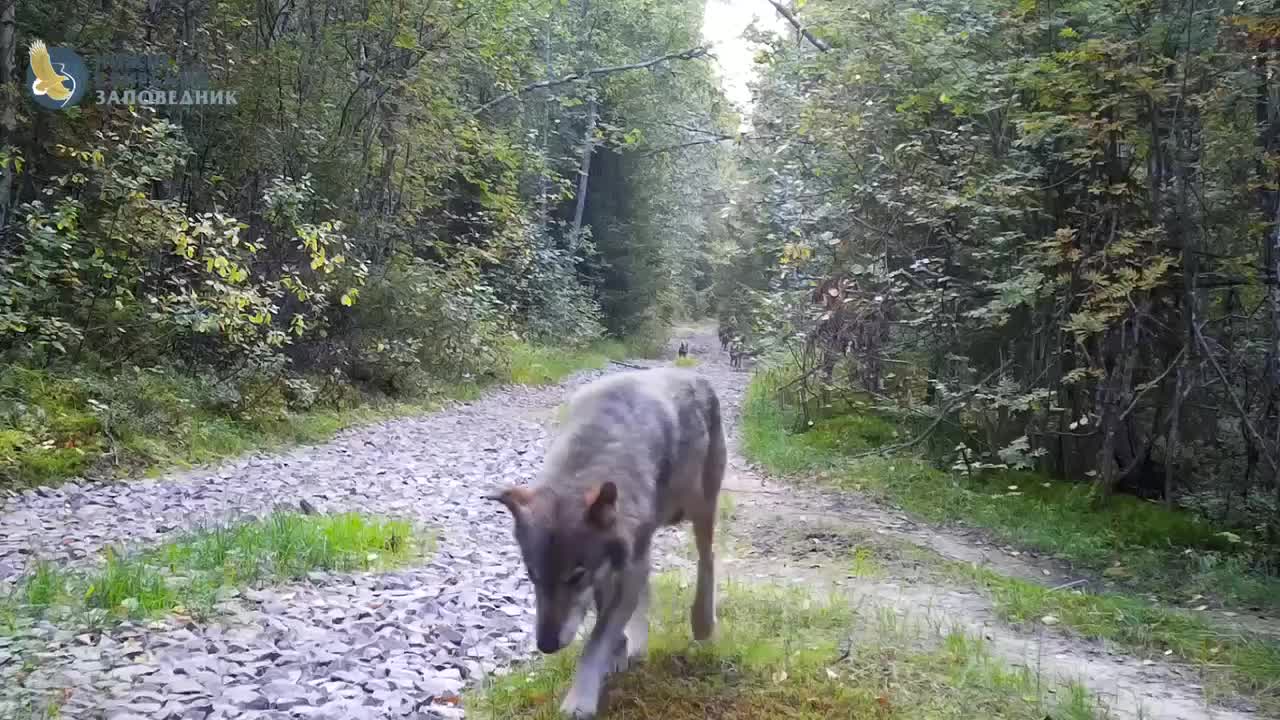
<point x="56" y="77"/>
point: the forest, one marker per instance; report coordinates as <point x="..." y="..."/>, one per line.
<point x="1051" y="231"/>
<point x="406" y="201"/>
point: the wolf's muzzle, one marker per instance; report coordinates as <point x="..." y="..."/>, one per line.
<point x="549" y="640"/>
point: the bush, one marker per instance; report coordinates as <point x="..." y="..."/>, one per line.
<point x="420" y="327"/>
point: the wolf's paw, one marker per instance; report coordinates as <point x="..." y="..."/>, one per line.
<point x="577" y="706"/>
<point x="621" y="661"/>
<point x="621" y="657"/>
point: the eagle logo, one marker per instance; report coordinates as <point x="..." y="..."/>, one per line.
<point x="57" y="76"/>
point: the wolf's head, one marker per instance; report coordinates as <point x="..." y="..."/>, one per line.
<point x="570" y="545"/>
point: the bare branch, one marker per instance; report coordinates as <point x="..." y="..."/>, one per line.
<point x="690" y="54"/>
<point x="693" y="143"/>
<point x="1244" y="414"/>
<point x="791" y="18"/>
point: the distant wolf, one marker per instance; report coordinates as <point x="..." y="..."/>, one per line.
<point x="640" y="450"/>
<point x="736" y="352"/>
<point x="725" y="333"/>
<point x="684" y="350"/>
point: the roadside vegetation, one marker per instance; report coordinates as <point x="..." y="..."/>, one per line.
<point x="1159" y="568"/>
<point x="145" y="420"/>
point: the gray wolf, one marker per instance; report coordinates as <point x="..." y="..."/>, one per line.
<point x="725" y="333"/>
<point x="737" y="351"/>
<point x="640" y="450"/>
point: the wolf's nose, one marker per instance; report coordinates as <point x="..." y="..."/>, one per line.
<point x="548" y="643"/>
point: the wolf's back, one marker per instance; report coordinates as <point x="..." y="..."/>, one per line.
<point x="647" y="423"/>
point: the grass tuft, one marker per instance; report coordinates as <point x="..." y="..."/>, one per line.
<point x="686" y="362"/>
<point x="781" y="653"/>
<point x="192" y="572"/>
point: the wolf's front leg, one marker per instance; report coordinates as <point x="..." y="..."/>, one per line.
<point x="637" y="631"/>
<point x="597" y="659"/>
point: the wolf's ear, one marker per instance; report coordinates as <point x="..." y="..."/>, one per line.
<point x="516" y="499"/>
<point x="602" y="505"/>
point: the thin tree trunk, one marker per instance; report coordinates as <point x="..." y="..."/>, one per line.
<point x="584" y="172"/>
<point x="544" y="205"/>
<point x="1174" y="437"/>
<point x="9" y="93"/>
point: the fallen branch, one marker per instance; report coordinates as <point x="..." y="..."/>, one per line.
<point x="1068" y="585"/>
<point x="791" y="18"/>
<point x="628" y="365"/>
<point x="690" y="54"/>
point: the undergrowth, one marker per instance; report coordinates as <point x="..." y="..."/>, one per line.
<point x="55" y="425"/>
<point x="780" y="653"/>
<point x="194" y="572"/>
<point x="543" y="365"/>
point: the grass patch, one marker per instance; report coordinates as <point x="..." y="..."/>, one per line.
<point x="541" y="365"/>
<point x="1240" y="664"/>
<point x="1138" y="544"/>
<point x="782" y="654"/>
<point x="193" y="573"/>
<point x="686" y="362"/>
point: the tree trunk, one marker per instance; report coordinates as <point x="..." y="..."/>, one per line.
<point x="584" y="172"/>
<point x="9" y="93"/>
<point x="544" y="204"/>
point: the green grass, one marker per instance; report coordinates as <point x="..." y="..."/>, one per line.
<point x="540" y="365"/>
<point x="55" y="425"/>
<point x="192" y="573"/>
<point x="686" y="362"/>
<point x="781" y="653"/>
<point x="1237" y="663"/>
<point x="1138" y="546"/>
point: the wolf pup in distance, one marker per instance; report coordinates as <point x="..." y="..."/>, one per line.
<point x="640" y="450"/>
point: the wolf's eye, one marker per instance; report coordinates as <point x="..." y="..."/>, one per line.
<point x="576" y="576"/>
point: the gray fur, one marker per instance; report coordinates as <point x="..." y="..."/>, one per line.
<point x="639" y="450"/>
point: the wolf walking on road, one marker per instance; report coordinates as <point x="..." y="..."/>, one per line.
<point x="640" y="450"/>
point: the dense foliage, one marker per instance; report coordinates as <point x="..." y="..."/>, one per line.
<point x="1050" y="231"/>
<point x="390" y="205"/>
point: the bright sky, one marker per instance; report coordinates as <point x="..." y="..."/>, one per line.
<point x="723" y="23"/>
